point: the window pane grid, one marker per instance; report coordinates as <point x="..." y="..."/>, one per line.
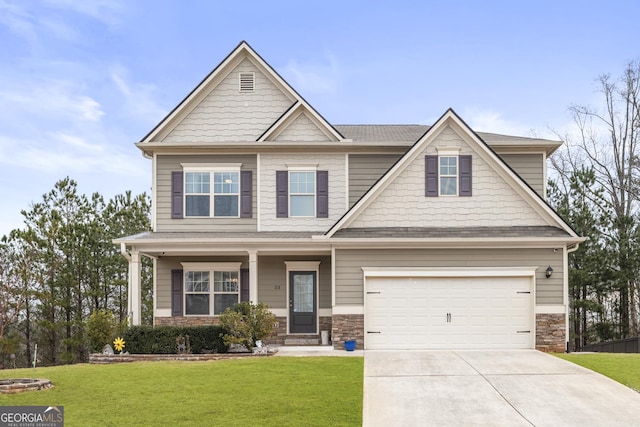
<point x="204" y="198"/>
<point x="202" y="299"/>
<point x="302" y="193"/>
<point x="197" y="281"/>
<point x="448" y="176"/>
<point x="302" y="182"/>
<point x="226" y="182"/>
<point x="197" y="183"/>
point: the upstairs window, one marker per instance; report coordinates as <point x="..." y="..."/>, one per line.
<point x="302" y="193"/>
<point x="211" y="192"/>
<point x="448" y="175"/>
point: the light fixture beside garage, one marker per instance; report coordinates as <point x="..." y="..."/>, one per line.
<point x="548" y="272"/>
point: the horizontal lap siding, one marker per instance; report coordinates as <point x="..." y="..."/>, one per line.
<point x="272" y="273"/>
<point x="530" y="167"/>
<point x="164" y="222"/>
<point x="349" y="275"/>
<point x="365" y="170"/>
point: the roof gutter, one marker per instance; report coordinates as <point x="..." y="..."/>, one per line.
<point x="123" y="251"/>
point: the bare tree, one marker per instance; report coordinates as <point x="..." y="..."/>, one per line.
<point x="607" y="141"/>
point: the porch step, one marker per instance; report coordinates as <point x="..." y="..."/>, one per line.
<point x="301" y="341"/>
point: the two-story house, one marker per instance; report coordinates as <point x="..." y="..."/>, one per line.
<point x="398" y="236"/>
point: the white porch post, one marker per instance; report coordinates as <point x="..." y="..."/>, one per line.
<point x="135" y="306"/>
<point x="253" y="277"/>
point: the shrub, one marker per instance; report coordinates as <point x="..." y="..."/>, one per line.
<point x="162" y="339"/>
<point x="100" y="329"/>
<point x="247" y="323"/>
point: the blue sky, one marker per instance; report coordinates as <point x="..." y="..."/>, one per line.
<point x="82" y="80"/>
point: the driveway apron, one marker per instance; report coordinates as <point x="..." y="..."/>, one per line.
<point x="490" y="388"/>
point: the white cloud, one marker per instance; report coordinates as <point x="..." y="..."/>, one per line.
<point x="314" y="77"/>
<point x="139" y="99"/>
<point x="64" y="154"/>
<point x="51" y="98"/>
<point x="495" y="122"/>
<point x="17" y="19"/>
<point x="109" y="12"/>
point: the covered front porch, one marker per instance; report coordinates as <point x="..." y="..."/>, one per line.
<point x="195" y="279"/>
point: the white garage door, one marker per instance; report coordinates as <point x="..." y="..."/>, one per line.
<point x="448" y="313"/>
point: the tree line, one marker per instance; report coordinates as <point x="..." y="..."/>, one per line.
<point x="596" y="189"/>
<point x="60" y="267"/>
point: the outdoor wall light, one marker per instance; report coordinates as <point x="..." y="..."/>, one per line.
<point x="548" y="272"/>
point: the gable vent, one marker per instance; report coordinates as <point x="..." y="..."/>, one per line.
<point x="247" y="82"/>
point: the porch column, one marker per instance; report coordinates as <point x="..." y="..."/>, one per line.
<point x="253" y="277"/>
<point x="135" y="305"/>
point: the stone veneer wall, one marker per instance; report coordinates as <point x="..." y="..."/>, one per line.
<point x="185" y="321"/>
<point x="347" y="327"/>
<point x="550" y="332"/>
<point x="277" y="338"/>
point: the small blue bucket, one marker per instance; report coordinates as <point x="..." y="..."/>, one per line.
<point x="350" y="345"/>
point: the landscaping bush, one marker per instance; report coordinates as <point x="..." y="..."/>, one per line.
<point x="100" y="329"/>
<point x="247" y="323"/>
<point x="162" y="339"/>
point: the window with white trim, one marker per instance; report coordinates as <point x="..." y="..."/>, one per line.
<point x="200" y="297"/>
<point x="302" y="193"/>
<point x="211" y="191"/>
<point x="448" y="176"/>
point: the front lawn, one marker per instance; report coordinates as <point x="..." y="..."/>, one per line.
<point x="270" y="391"/>
<point x="622" y="367"/>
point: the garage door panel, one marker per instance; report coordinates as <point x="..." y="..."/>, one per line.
<point x="456" y="313"/>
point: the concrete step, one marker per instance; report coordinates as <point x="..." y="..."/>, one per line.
<point x="301" y="341"/>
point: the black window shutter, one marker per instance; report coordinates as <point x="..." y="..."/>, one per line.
<point x="176" y="292"/>
<point x="465" y="176"/>
<point x="322" y="194"/>
<point x="246" y="194"/>
<point x="244" y="284"/>
<point x="282" y="194"/>
<point x="431" y="176"/>
<point x="176" y="194"/>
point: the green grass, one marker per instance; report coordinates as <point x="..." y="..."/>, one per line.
<point x="624" y="368"/>
<point x="274" y="391"/>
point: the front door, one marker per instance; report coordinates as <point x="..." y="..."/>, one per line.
<point x="302" y="302"/>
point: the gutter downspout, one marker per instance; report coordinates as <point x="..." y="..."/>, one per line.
<point x="567" y="252"/>
<point x="123" y="251"/>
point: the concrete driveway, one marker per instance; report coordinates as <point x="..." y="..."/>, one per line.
<point x="490" y="388"/>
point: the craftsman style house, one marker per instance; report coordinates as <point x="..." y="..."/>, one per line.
<point x="397" y="236"/>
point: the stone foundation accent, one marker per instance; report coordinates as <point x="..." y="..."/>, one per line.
<point x="550" y="332"/>
<point x="280" y="333"/>
<point x="185" y="321"/>
<point x="347" y="327"/>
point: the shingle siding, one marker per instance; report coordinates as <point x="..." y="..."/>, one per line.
<point x="302" y="129"/>
<point x="494" y="202"/>
<point x="226" y="114"/>
<point x="270" y="163"/>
